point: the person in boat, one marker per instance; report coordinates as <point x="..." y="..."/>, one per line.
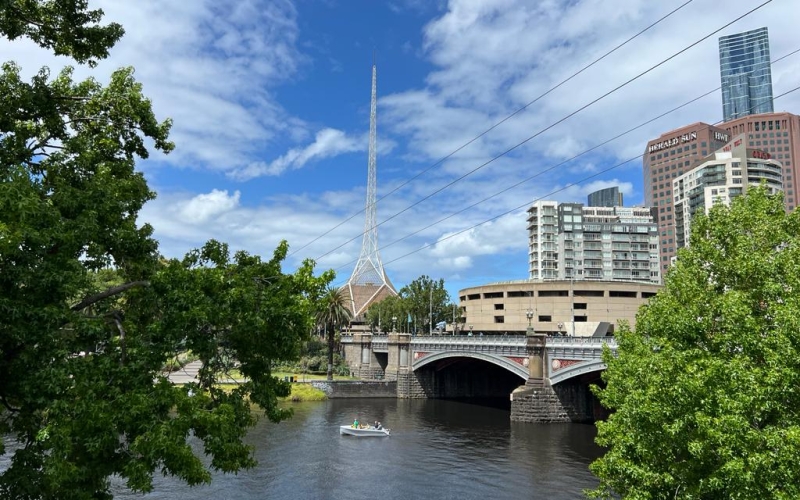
<point x="355" y="424"/>
<point x="378" y="426"/>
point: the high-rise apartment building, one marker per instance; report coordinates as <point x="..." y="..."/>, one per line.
<point x="724" y="175"/>
<point x="570" y="241"/>
<point x="746" y="74"/>
<point x="608" y="197"/>
<point x="667" y="157"/>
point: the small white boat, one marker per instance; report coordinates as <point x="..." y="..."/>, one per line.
<point x="349" y="430"/>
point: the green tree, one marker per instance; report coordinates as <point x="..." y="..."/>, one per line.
<point x="333" y="311"/>
<point x="380" y="314"/>
<point x="423" y="296"/>
<point x="705" y="393"/>
<point x="69" y="199"/>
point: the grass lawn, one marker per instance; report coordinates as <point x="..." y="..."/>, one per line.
<point x="300" y="392"/>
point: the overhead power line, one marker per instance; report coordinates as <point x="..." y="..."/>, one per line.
<point x="570" y="115"/>
<point x="556" y="191"/>
<point x="508" y="117"/>
<point x="568" y="160"/>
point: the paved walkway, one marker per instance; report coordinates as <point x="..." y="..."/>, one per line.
<point x="186" y="374"/>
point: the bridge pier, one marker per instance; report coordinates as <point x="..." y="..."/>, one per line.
<point x="538" y="401"/>
<point x="398" y="366"/>
<point x="361" y="358"/>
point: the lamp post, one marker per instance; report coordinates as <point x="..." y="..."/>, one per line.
<point x="470" y="330"/>
<point x="529" y="315"/>
<point x="394" y="320"/>
<point x="430" y="312"/>
<point x="560" y="326"/>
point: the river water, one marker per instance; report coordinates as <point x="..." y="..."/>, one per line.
<point x="438" y="449"/>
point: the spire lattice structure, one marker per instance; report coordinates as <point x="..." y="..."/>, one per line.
<point x="369" y="283"/>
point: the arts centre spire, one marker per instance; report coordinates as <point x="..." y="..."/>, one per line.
<point x="368" y="283"/>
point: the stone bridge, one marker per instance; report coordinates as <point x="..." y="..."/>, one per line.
<point x="546" y="378"/>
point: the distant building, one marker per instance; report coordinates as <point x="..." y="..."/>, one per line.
<point x="665" y="158"/>
<point x="568" y="241"/>
<point x="575" y="308"/>
<point x="608" y="197"/>
<point x="724" y="175"/>
<point x="746" y="74"/>
<point x="779" y="135"/>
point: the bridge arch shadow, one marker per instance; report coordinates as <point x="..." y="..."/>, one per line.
<point x="500" y="361"/>
<point x="466" y="376"/>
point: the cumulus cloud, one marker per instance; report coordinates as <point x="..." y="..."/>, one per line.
<point x="205" y="206"/>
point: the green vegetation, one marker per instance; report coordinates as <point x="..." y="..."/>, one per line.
<point x="333" y="311"/>
<point x="305" y="392"/>
<point x="313" y="360"/>
<point x="299" y="392"/>
<point x="77" y="275"/>
<point x="705" y="393"/>
<point x="415" y="300"/>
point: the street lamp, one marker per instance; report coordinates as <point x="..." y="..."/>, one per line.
<point x="560" y="326"/>
<point x="529" y="315"/>
<point x="394" y="319"/>
<point x="470" y="330"/>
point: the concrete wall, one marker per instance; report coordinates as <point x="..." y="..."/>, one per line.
<point x="356" y="389"/>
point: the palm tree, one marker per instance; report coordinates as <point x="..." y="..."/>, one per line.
<point x="333" y="310"/>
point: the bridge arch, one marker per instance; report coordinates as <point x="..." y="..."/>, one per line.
<point x="594" y="365"/>
<point x="501" y="361"/>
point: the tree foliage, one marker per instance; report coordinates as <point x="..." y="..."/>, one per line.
<point x="705" y="393"/>
<point x="380" y="314"/>
<point x="416" y="300"/>
<point x="333" y="310"/>
<point x="78" y="275"/>
<point x="67" y="27"/>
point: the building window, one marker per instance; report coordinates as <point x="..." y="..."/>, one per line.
<point x="545" y="319"/>
<point x="499" y="319"/>
<point x="499" y="307"/>
<point x="580" y="319"/>
<point x="580" y="305"/>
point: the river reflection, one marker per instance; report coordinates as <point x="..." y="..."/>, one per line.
<point x="438" y="449"/>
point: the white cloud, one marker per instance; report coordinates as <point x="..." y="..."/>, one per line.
<point x="327" y="143"/>
<point x="493" y="237"/>
<point x="205" y="206"/>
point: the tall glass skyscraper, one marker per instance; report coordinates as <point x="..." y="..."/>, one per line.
<point x="608" y="197"/>
<point x="746" y="74"/>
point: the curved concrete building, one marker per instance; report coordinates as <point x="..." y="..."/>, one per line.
<point x="596" y="306"/>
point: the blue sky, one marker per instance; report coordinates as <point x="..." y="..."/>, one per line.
<point x="270" y="101"/>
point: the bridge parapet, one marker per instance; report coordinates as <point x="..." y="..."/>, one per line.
<point x="579" y="347"/>
<point x="503" y="346"/>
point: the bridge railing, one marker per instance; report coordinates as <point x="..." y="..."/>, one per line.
<point x="467" y="340"/>
<point x="582" y="341"/>
<point x="382" y="340"/>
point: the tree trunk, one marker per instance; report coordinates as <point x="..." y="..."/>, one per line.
<point x="330" y="352"/>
